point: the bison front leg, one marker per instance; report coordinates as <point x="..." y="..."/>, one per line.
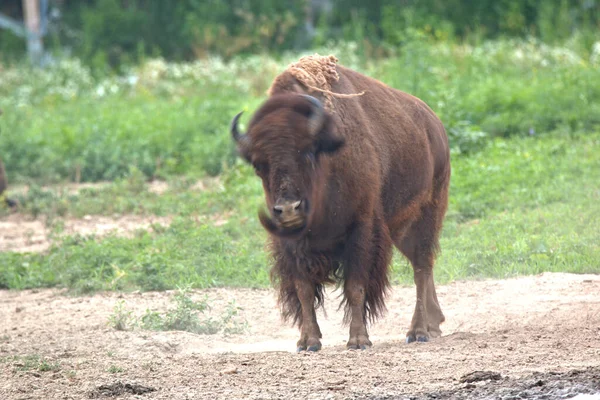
<point x="310" y="334"/>
<point x="354" y="292"/>
<point x="366" y="264"/>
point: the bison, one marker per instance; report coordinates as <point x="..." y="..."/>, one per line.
<point x="349" y="167"/>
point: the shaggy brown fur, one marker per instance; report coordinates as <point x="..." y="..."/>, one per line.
<point x="343" y="188"/>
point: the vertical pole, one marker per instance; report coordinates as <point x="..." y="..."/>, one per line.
<point x="35" y="47"/>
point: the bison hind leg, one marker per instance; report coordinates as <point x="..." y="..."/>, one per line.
<point x="420" y="244"/>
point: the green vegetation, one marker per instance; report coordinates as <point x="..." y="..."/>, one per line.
<point x="31" y="363"/>
<point x="520" y="205"/>
<point x="115" y="369"/>
<point x="113" y="33"/>
<point x="523" y="119"/>
<point x="171" y="119"/>
<point x="187" y="315"/>
<point x="121" y="319"/>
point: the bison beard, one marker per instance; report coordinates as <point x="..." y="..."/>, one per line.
<point x="377" y="176"/>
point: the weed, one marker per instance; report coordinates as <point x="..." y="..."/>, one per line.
<point x="27" y="363"/>
<point x="121" y="319"/>
<point x="188" y="315"/>
<point x="229" y="321"/>
<point x="34" y="363"/>
<point x="48" y="366"/>
<point x="115" y="369"/>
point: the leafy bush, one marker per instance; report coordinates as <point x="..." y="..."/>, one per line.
<point x="166" y="118"/>
<point x="116" y="33"/>
<point x="550" y="19"/>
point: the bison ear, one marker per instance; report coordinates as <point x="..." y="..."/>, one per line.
<point x="328" y="142"/>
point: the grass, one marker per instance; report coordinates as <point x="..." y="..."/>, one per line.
<point x="171" y="119"/>
<point x="187" y="315"/>
<point x="522" y="117"/>
<point x="520" y="205"/>
<point x="31" y="362"/>
<point x="115" y="369"/>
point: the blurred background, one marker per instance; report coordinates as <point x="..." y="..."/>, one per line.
<point x="111" y="33"/>
<point x="120" y="108"/>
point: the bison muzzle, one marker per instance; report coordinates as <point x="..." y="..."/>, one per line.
<point x="343" y="184"/>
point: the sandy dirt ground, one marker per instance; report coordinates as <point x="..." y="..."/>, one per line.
<point x="22" y="233"/>
<point x="531" y="337"/>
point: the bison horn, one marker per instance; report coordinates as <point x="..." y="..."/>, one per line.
<point x="234" y="127"/>
<point x="317" y="117"/>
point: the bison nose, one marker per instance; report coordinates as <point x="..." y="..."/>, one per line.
<point x="289" y="207"/>
<point x="289" y="212"/>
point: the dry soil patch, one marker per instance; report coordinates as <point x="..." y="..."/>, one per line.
<point x="547" y="325"/>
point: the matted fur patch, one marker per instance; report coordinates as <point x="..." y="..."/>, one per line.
<point x="318" y="73"/>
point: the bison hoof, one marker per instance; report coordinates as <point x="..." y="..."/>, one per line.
<point x="359" y="343"/>
<point x="314" y="347"/>
<point x="358" y="347"/>
<point x="308" y="345"/>
<point x="416" y="338"/>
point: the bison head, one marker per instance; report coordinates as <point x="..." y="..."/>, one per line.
<point x="286" y="142"/>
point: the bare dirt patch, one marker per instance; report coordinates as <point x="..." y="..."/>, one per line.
<point x="540" y="334"/>
<point x="21" y="233"/>
<point x="156" y="186"/>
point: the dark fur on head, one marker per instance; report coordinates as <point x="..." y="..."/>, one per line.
<point x="287" y="151"/>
